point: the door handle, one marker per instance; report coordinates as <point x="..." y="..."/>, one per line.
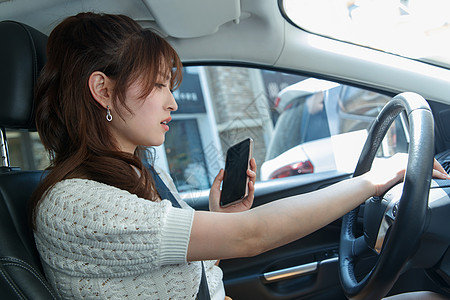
<point x="296" y="271"/>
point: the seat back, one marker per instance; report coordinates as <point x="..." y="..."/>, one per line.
<point x="21" y="275"/>
<point x="22" y="56"/>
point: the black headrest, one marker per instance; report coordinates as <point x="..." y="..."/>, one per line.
<point x="22" y="56"/>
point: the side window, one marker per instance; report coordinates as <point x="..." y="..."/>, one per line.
<point x="300" y="125"/>
<point x="26" y="150"/>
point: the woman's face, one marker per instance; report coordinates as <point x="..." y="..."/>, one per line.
<point x="148" y="123"/>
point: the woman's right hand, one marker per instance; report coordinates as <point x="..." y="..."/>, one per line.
<point x="387" y="172"/>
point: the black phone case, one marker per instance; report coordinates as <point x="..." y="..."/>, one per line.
<point x="235" y="181"/>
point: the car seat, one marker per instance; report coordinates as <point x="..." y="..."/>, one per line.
<point x="22" y="55"/>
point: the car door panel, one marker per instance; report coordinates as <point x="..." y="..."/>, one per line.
<point x="309" y="266"/>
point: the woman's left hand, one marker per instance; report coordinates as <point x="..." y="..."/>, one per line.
<point x="214" y="194"/>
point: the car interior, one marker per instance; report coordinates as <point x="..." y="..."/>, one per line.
<point x="312" y="267"/>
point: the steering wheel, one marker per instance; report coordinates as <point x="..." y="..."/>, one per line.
<point x="408" y="215"/>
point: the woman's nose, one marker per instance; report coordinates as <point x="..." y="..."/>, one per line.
<point x="173" y="106"/>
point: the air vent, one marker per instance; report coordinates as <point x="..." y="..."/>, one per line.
<point x="446" y="166"/>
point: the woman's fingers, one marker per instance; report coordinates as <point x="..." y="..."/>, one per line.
<point x="214" y="193"/>
<point x="438" y="171"/>
<point x="439" y="175"/>
<point x="218" y="180"/>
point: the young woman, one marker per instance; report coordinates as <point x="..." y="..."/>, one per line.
<point x="101" y="227"/>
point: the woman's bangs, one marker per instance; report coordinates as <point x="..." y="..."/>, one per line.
<point x="155" y="59"/>
<point x="171" y="67"/>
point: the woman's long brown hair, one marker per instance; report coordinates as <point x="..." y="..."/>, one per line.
<point x="71" y="124"/>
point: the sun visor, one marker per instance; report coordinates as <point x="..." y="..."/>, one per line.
<point x="195" y="18"/>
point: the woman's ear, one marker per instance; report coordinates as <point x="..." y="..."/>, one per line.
<point x="100" y="86"/>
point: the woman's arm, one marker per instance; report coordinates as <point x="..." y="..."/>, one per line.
<point x="216" y="235"/>
<point x="248" y="233"/>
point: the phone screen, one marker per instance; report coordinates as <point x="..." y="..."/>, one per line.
<point x="235" y="180"/>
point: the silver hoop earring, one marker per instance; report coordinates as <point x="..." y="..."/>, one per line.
<point x="108" y="114"/>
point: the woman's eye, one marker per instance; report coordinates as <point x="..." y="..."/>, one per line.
<point x="161" y="85"/>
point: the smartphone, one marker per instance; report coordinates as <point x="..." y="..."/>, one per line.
<point x="235" y="179"/>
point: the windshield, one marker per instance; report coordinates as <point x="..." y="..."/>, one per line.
<point x="418" y="29"/>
